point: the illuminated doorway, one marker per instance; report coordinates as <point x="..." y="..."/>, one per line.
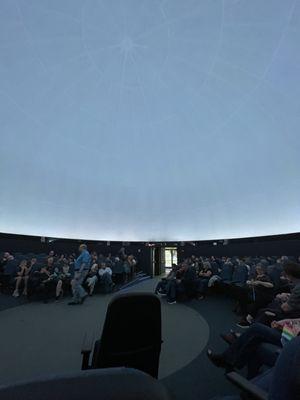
<point x="170" y="257"/>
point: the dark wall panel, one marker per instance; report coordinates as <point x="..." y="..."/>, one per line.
<point x="276" y="247"/>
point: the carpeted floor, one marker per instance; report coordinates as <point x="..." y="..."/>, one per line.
<point x="200" y="380"/>
<point x="39" y="339"/>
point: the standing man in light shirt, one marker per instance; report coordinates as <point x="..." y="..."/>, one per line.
<point x="82" y="267"/>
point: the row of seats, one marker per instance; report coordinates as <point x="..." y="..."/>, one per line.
<point x="42" y="274"/>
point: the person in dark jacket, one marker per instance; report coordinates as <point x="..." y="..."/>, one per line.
<point x="161" y="287"/>
<point x="184" y="283"/>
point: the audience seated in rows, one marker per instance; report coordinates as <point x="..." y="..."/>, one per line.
<point x="266" y="291"/>
<point x="243" y="349"/>
<point x="46" y="276"/>
<point x="267" y="295"/>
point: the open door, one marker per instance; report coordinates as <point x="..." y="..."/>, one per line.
<point x="170" y="257"/>
<point x="162" y="259"/>
<point x="156" y="261"/>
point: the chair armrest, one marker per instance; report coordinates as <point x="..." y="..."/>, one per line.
<point x="86" y="349"/>
<point x="247" y="386"/>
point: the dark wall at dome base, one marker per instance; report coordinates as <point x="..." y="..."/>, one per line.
<point x="269" y="245"/>
<point x="261" y="248"/>
<point x="33" y="244"/>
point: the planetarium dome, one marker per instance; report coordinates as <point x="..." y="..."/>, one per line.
<point x="149" y="120"/>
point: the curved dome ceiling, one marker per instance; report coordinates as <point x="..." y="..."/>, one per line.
<point x="150" y="119"/>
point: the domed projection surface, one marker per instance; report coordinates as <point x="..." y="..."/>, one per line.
<point x="150" y="119"/>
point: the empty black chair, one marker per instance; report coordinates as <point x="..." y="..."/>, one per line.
<point x="131" y="335"/>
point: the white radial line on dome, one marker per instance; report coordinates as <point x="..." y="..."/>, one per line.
<point x="63" y="93"/>
<point x="192" y="65"/>
<point x="167" y="22"/>
<point x="37" y="41"/>
<point x="263" y="109"/>
<point x="237" y="67"/>
<point x="57" y="12"/>
<point x="90" y="58"/>
<point x="74" y="83"/>
<point x="282" y="36"/>
<point x="95" y="28"/>
<point x="251" y="24"/>
<point x="193" y="107"/>
<point x="242" y="99"/>
<point x="125" y="24"/>
<point x="29" y="36"/>
<point x="220" y="78"/>
<point x="101" y="49"/>
<point x="124" y="63"/>
<point x="10" y="44"/>
<point x="92" y="26"/>
<point x="268" y="83"/>
<point x="23" y="111"/>
<point x="195" y="40"/>
<point x="262" y="79"/>
<point x="92" y="114"/>
<point x="162" y="67"/>
<point x="138" y="74"/>
<point x="66" y="61"/>
<point x="167" y="117"/>
<point x="86" y="109"/>
<point x="140" y="85"/>
<point x="180" y="111"/>
<point x="218" y="46"/>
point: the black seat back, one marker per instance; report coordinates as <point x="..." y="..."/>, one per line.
<point x="105" y="384"/>
<point x="131" y="334"/>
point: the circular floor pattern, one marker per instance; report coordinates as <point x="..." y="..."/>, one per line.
<point x="44" y="339"/>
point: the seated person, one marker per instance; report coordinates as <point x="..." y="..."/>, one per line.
<point x="129" y="267"/>
<point x="50" y="284"/>
<point x="183" y="284"/>
<point x="204" y="276"/>
<point x="223" y="275"/>
<point x="242" y="350"/>
<point x="285" y="305"/>
<point x="133" y="263"/>
<point x="105" y="278"/>
<point x="118" y="270"/>
<point x="94" y="256"/>
<point x="8" y="268"/>
<point x="256" y="295"/>
<point x="162" y="284"/>
<point x="64" y="277"/>
<point x="239" y="277"/>
<point x="122" y="253"/>
<point x="43" y="280"/>
<point x="3" y="261"/>
<point x="92" y="278"/>
<point x="22" y="278"/>
<point x="33" y="263"/>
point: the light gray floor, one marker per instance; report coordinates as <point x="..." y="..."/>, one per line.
<point x="38" y="339"/>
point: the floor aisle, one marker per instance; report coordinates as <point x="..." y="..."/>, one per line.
<point x="39" y="339"/>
